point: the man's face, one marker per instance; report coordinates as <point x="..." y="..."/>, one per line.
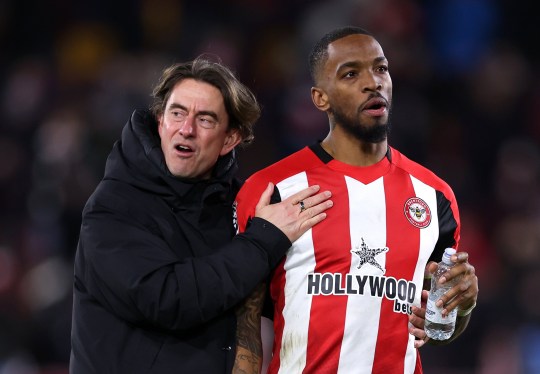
<point x="356" y="88"/>
<point x="194" y="129"/>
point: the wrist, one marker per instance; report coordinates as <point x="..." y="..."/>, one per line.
<point x="466" y="312"/>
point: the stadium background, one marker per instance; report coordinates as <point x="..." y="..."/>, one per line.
<point x="466" y="104"/>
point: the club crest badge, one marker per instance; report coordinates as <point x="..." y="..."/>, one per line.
<point x="417" y="212"/>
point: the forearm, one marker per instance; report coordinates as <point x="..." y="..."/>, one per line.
<point x="246" y="362"/>
<point x="461" y="325"/>
<point x="248" y="334"/>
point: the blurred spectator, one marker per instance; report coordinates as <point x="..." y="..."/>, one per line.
<point x="467" y="105"/>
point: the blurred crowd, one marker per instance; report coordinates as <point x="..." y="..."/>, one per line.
<point x="466" y="104"/>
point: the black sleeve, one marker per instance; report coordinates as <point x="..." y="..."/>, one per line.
<point x="132" y="272"/>
<point x="447" y="227"/>
<point x="268" y="306"/>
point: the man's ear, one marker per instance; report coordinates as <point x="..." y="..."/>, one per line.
<point x="320" y="99"/>
<point x="159" y="120"/>
<point x="232" y="139"/>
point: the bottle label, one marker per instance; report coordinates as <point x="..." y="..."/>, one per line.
<point x="434" y="315"/>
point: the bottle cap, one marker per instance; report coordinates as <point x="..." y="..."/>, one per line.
<point x="448" y="252"/>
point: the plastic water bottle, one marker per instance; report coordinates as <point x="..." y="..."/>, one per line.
<point x="436" y="326"/>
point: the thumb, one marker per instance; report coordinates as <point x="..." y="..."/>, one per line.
<point x="264" y="200"/>
<point x="430" y="269"/>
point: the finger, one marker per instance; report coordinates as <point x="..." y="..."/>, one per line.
<point x="416" y="332"/>
<point x="424" y="296"/>
<point x="430" y="269"/>
<point x="318" y="209"/>
<point x="454" y="304"/>
<point x="316" y="199"/>
<point x="420" y="337"/>
<point x="461" y="269"/>
<point x="264" y="200"/>
<point x="312" y="221"/>
<point x="460" y="257"/>
<point x="445" y="300"/>
<point x="463" y="293"/>
<point x="418" y="314"/>
<point x="452" y="293"/>
<point x="417" y="318"/>
<point x="303" y="194"/>
<point x="418" y="343"/>
<point x="467" y="297"/>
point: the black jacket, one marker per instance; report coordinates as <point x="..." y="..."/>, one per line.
<point x="159" y="269"/>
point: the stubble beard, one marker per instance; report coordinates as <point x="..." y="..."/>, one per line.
<point x="375" y="133"/>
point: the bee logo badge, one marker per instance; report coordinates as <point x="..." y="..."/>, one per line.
<point x="417" y="212"/>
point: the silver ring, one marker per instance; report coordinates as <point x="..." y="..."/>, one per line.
<point x="302" y="206"/>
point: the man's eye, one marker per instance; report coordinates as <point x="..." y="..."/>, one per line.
<point x="177" y="115"/>
<point x="350" y="74"/>
<point x="207" y="122"/>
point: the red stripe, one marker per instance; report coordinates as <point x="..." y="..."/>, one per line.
<point x="278" y="296"/>
<point x="332" y="253"/>
<point x="403" y="241"/>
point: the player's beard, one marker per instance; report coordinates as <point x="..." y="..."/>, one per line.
<point x="374" y="133"/>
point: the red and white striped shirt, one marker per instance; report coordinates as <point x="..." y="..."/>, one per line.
<point x="343" y="292"/>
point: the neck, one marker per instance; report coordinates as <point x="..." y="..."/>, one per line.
<point x="352" y="151"/>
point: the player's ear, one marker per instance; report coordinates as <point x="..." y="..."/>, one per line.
<point x="319" y="98"/>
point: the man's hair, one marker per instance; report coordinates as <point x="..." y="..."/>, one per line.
<point x="319" y="53"/>
<point x="240" y="103"/>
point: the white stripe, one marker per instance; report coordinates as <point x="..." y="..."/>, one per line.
<point x="428" y="239"/>
<point x="367" y="208"/>
<point x="300" y="261"/>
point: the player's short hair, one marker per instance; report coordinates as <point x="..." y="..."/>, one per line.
<point x="319" y="53"/>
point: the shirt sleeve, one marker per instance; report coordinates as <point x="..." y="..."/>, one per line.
<point x="449" y="224"/>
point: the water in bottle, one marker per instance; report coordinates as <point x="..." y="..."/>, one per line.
<point x="436" y="326"/>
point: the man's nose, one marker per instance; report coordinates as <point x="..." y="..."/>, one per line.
<point x="372" y="83"/>
<point x="187" y="127"/>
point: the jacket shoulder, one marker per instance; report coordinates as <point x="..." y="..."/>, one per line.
<point x="119" y="197"/>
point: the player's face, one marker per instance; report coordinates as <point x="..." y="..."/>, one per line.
<point x="194" y="129"/>
<point x="356" y="87"/>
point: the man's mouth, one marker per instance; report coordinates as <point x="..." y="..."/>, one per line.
<point x="183" y="148"/>
<point x="375" y="106"/>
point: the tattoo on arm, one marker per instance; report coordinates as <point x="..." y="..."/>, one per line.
<point x="248" y="334"/>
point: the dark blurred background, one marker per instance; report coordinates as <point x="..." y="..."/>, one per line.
<point x="466" y="104"/>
